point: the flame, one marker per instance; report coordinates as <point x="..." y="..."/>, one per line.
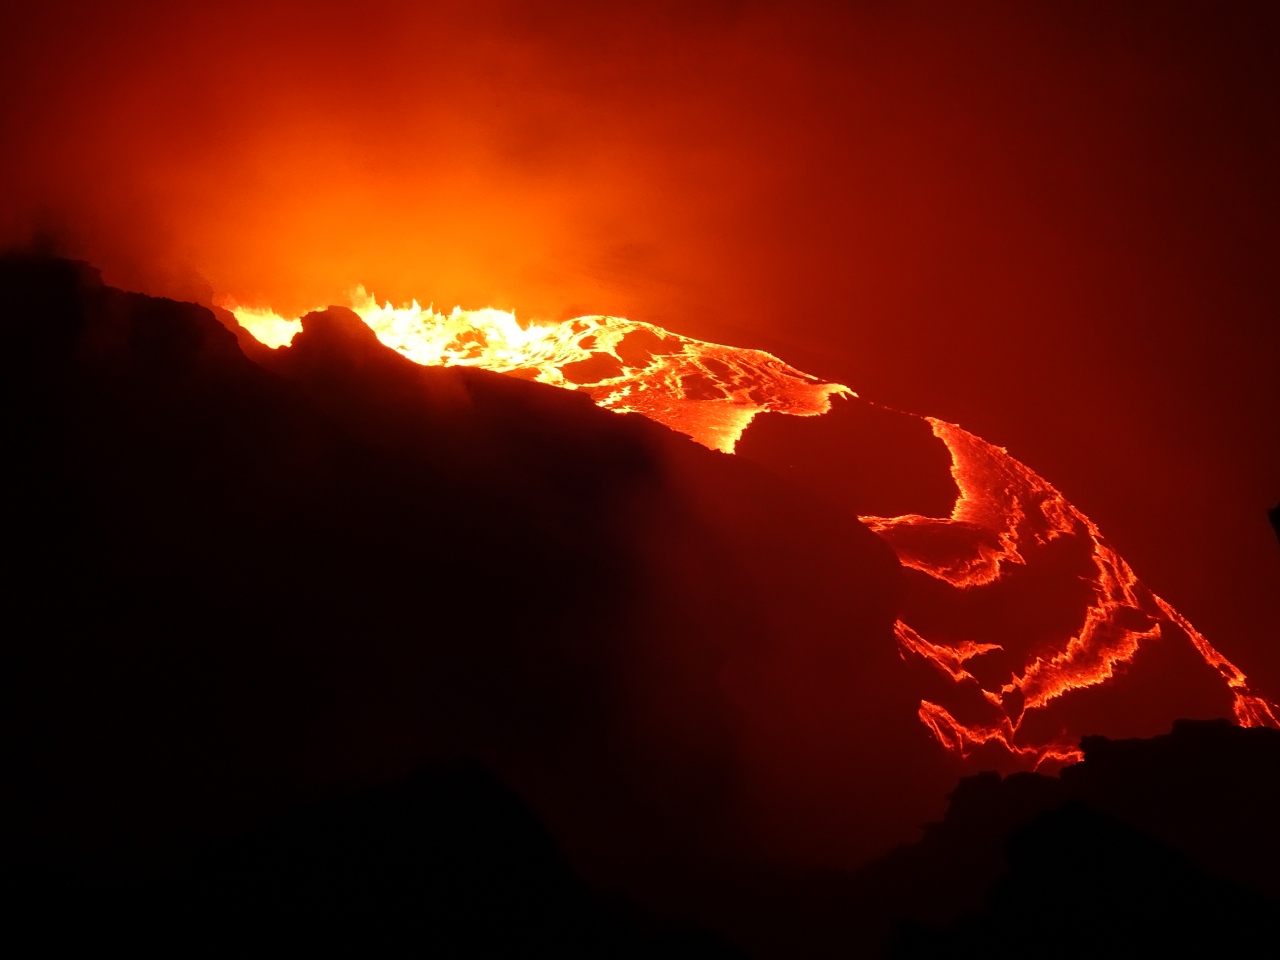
<point x="712" y="392"/>
<point x="265" y="324"/>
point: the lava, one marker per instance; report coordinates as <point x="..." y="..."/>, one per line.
<point x="711" y="393"/>
<point x="707" y="391"/>
<point x="1002" y="504"/>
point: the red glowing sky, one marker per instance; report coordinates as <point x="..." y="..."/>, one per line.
<point x="1057" y="227"/>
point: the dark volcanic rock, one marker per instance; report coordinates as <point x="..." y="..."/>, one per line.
<point x="445" y="862"/>
<point x="244" y="584"/>
<point x="1168" y="843"/>
<point x="322" y="643"/>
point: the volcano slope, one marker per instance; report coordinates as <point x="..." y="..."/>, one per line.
<point x="245" y="584"/>
<point x="254" y="591"/>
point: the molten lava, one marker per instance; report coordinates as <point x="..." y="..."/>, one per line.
<point x="706" y="391"/>
<point x="1002" y="505"/>
<point x="712" y="392"/>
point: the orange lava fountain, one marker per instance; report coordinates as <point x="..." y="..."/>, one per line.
<point x="712" y="392"/>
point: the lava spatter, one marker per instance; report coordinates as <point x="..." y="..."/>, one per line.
<point x="711" y="393"/>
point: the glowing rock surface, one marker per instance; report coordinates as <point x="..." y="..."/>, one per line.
<point x="711" y="393"/>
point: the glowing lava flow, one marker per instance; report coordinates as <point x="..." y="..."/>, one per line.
<point x="712" y="392"/>
<point x="704" y="390"/>
<point x="1002" y="504"/>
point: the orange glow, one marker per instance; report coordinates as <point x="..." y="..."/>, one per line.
<point x="265" y="324"/>
<point x="1001" y="504"/>
<point x="704" y="390"/>
<point x="951" y="659"/>
<point x="712" y="392"/>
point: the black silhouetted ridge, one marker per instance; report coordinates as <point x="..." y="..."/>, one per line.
<point x="1164" y="844"/>
<point x="317" y="647"/>
<point x="245" y="582"/>
<point x="447" y="861"/>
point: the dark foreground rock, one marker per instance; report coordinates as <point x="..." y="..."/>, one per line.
<point x="447" y="862"/>
<point x="242" y="585"/>
<point x="319" y="648"/>
<point x="1168" y="843"/>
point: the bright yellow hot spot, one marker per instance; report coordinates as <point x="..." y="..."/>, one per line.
<point x="705" y="390"/>
<point x="266" y="325"/>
